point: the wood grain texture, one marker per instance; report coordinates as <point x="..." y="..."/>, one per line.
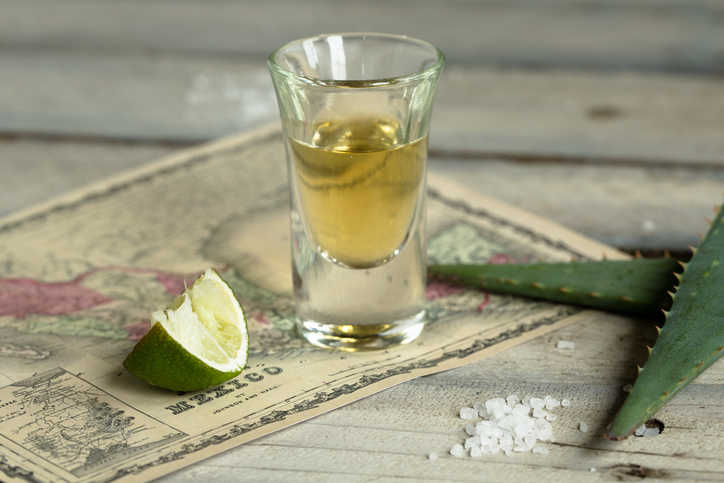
<point x="33" y="171"/>
<point x="623" y="117"/>
<point x="673" y="35"/>
<point x="625" y="206"/>
<point x="586" y="116"/>
<point x="136" y="97"/>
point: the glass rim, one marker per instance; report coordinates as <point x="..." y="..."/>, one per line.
<point x="384" y="81"/>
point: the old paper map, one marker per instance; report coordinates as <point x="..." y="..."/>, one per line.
<point x="80" y="276"/>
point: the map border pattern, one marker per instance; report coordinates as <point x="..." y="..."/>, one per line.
<point x="16" y="471"/>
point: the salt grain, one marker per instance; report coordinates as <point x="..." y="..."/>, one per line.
<point x="433" y="456"/>
<point x="480" y="408"/>
<point x="470" y="442"/>
<point x="520" y="410"/>
<point x="583" y="427"/>
<point x="551" y="403"/>
<point x="648" y="432"/>
<point x="566" y="344"/>
<point x="540" y="450"/>
<point x="468" y="413"/>
<point x="537" y="403"/>
<point x="640" y="430"/>
<point x="539" y="413"/>
<point x="457" y="450"/>
<point x="565" y="403"/>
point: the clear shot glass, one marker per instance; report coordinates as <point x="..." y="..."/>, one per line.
<point x="355" y="110"/>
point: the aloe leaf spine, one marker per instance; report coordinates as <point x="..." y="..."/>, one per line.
<point x="691" y="339"/>
<point x="636" y="286"/>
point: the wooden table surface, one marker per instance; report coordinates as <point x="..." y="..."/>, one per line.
<point x="606" y="116"/>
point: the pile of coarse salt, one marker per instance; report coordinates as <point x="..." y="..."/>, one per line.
<point x="509" y="425"/>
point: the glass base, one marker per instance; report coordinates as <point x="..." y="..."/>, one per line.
<point x="353" y="338"/>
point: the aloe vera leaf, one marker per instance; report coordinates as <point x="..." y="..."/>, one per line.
<point x="636" y="286"/>
<point x="691" y="339"/>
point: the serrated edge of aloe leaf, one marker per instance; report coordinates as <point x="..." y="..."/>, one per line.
<point x="691" y="339"/>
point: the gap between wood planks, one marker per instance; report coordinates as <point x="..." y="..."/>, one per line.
<point x="568" y="159"/>
<point x="432" y="153"/>
<point x="9" y="137"/>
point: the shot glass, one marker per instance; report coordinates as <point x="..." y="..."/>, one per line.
<point x="355" y="111"/>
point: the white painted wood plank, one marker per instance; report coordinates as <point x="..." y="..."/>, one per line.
<point x="624" y="206"/>
<point x="676" y="119"/>
<point x="35" y="171"/>
<point x="146" y="97"/>
<point x="623" y="116"/>
<point x="671" y="35"/>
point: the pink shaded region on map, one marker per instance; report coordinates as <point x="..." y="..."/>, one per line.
<point x="20" y="297"/>
<point x="261" y="318"/>
<point x="138" y="330"/>
<point x="173" y="282"/>
<point x="485" y="302"/>
<point x="436" y="290"/>
<point x="501" y="259"/>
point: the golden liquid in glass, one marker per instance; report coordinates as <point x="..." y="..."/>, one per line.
<point x="358" y="185"/>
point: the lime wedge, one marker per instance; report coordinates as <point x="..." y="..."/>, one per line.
<point x="199" y="341"/>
